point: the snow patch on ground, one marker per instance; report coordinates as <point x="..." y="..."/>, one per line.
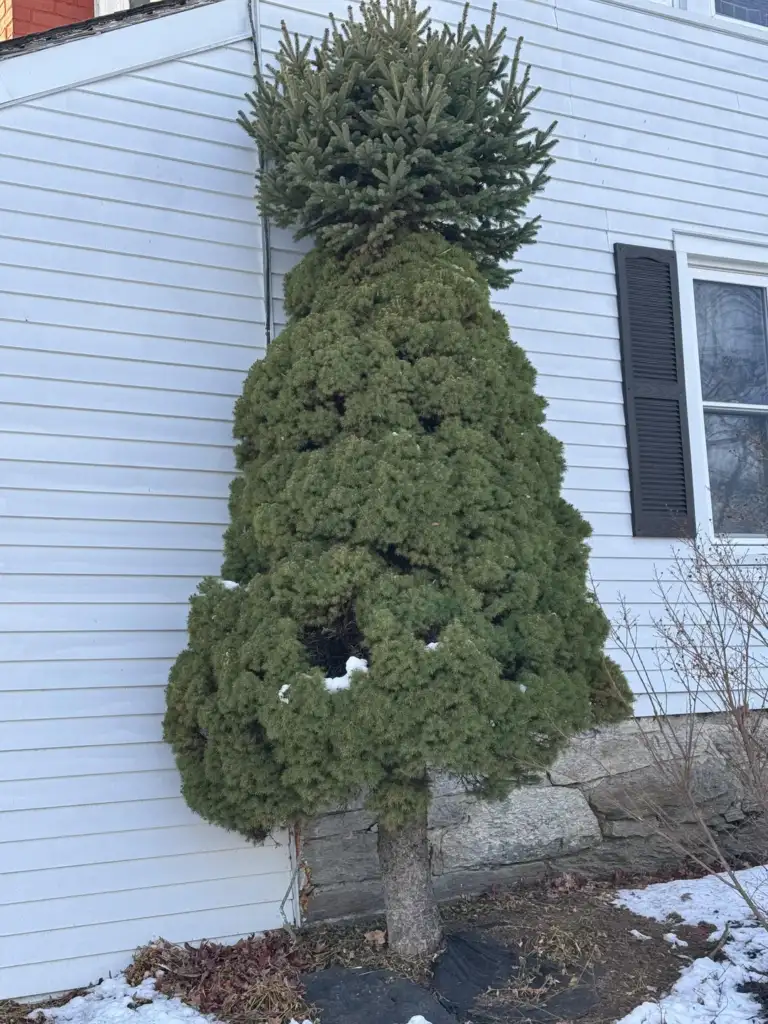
<point x="334" y="683"/>
<point x="708" y="991"/>
<point x="114" y="1001"/>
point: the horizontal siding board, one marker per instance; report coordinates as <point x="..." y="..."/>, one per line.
<point x="95" y="464"/>
<point x="582" y="389"/>
<point x="30" y="794"/>
<point x="145" y="297"/>
<point x="31" y="302"/>
<point x="576" y="410"/>
<point x="228" y="59"/>
<point x="99" y="879"/>
<point x="561" y="297"/>
<point x="118" y="426"/>
<point x="125" y="844"/>
<point x="57" y="233"/>
<point x="72" y="851"/>
<point x="596" y="367"/>
<point x="107" y="398"/>
<point x="126" y="188"/>
<point x="578" y="433"/>
<point x="587" y="456"/>
<point x="148" y="90"/>
<point x="643" y="568"/>
<point x="65" y="704"/>
<point x="81" y="561"/>
<point x="87" y="941"/>
<point x="81" y="911"/>
<point x="72" y="256"/>
<point x="126" y="507"/>
<point x="101" y="104"/>
<point x="550" y="352"/>
<point x="543" y="319"/>
<point x="104" y="760"/>
<point x="49" y="734"/>
<point x="33" y="674"/>
<point x="51" y="202"/>
<point x="96" y="533"/>
<point x="597" y="501"/>
<point x="123" y="162"/>
<point x="649" y="194"/>
<point x="81" y="617"/>
<point x="609" y="523"/>
<point x="597" y="479"/>
<point x="70" y="590"/>
<point x="80" y="119"/>
<point x="121" y="347"/>
<point x="94" y="819"/>
<point x="55" y="647"/>
<point x="200" y="76"/>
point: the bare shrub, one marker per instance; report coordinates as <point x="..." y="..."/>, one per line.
<point x="712" y="648"/>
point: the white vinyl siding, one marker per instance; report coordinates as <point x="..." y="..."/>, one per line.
<point x="661" y="130"/>
<point x="133" y="304"/>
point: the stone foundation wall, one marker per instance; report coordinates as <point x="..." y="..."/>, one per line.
<point x="592" y="813"/>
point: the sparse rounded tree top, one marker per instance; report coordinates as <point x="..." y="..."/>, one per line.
<point x="392" y="126"/>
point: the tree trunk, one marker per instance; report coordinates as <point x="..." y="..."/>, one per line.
<point x="413" y="920"/>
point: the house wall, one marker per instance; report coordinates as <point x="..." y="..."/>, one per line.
<point x="661" y="117"/>
<point x="132" y="303"/>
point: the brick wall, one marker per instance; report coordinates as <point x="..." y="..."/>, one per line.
<point x="20" y="17"/>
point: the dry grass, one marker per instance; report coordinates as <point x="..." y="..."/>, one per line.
<point x="254" y="981"/>
<point x="360" y="946"/>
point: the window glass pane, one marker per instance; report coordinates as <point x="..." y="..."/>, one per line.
<point x="730" y="323"/>
<point x="753" y="11"/>
<point x="737" y="451"/>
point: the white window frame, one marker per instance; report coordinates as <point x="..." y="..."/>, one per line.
<point x="730" y="261"/>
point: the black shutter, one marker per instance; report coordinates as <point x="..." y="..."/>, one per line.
<point x="654" y="392"/>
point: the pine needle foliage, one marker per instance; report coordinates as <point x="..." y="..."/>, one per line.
<point x="398" y="490"/>
<point x="392" y="126"/>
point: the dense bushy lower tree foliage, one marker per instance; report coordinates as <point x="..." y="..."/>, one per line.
<point x="398" y="489"/>
<point x="399" y="496"/>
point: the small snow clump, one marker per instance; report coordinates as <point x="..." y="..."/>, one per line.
<point x="334" y="683"/>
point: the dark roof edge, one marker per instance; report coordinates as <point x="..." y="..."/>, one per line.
<point x="96" y="26"/>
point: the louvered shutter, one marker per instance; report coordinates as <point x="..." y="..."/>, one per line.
<point x="654" y="392"/>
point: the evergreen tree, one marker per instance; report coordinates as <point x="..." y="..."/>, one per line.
<point x="408" y="587"/>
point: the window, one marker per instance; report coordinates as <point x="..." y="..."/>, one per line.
<point x="753" y="11"/>
<point x="724" y="302"/>
<point x="732" y="343"/>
